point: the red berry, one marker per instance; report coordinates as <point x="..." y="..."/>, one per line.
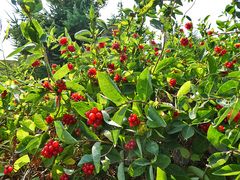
<point x="140" y="46"/>
<point x="188" y="25"/>
<point x="63" y="41"/>
<point x="77" y="97"/>
<point x="4" y="94"/>
<point x="68" y="119"/>
<point x="131" y="145"/>
<point x="54" y="66"/>
<point x="55" y="144"/>
<point x="71" y="48"/>
<point x="237" y="45"/>
<point x="168" y="50"/>
<point x="221" y="128"/>
<point x="92" y="72"/>
<point x="47" y="85"/>
<point x="61" y="85"/>
<point x="124" y="80"/>
<point x="70" y="66"/>
<point x="172" y="82"/>
<point x="117" y="78"/>
<point x="64" y="177"/>
<point x="101" y="45"/>
<point x="201" y="43"/>
<point x="115" y="45"/>
<point x="49" y="119"/>
<point x="133" y="120"/>
<point x="153" y="42"/>
<point x="36" y="63"/>
<point x="135" y="35"/>
<point x="184" y="41"/>
<point x="123" y="58"/>
<point x="210" y="32"/>
<point x="229" y="64"/>
<point x="218" y="106"/>
<point x="92" y="117"/>
<point x="99" y="115"/>
<point x="63" y="51"/>
<point x="94" y="110"/>
<point x="88" y="169"/>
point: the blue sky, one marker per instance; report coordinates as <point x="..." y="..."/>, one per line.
<point x="200" y="9"/>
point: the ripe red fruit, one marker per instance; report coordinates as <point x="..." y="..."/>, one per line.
<point x="204" y="127"/>
<point x="51" y="148"/>
<point x="92" y="72"/>
<point x="111" y="66"/>
<point x="135" y="35"/>
<point x="7" y="170"/>
<point x="133" y="120"/>
<point x="237" y="45"/>
<point x="95" y="117"/>
<point x="184" y="41"/>
<point x="210" y="32"/>
<point x="36" y="63"/>
<point x="124" y="80"/>
<point x="71" y="48"/>
<point x="63" y="41"/>
<point x="172" y="82"/>
<point x="168" y="50"/>
<point x="123" y="58"/>
<point x="155" y="49"/>
<point x="115" y="32"/>
<point x="61" y="85"/>
<point x="68" y="119"/>
<point x="54" y="66"/>
<point x="223" y="52"/>
<point x="188" y="25"/>
<point x="63" y="51"/>
<point x="101" y="45"/>
<point x="131" y="145"/>
<point x="47" y="85"/>
<point x="64" y="177"/>
<point x="88" y="169"/>
<point x="94" y="62"/>
<point x="236" y="118"/>
<point x="88" y="48"/>
<point x="117" y="78"/>
<point x="218" y="106"/>
<point x="77" y="97"/>
<point x="175" y="114"/>
<point x="221" y="128"/>
<point x="217" y="49"/>
<point x="116" y="46"/>
<point x="4" y="94"/>
<point x="49" y="119"/>
<point x="140" y="46"/>
<point x="181" y="30"/>
<point x="201" y="43"/>
<point x="70" y="66"/>
<point x="229" y="64"/>
<point x="153" y="42"/>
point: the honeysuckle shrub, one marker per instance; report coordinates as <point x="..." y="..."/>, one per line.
<point x="128" y="104"/>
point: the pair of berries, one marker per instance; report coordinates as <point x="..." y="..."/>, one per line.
<point x="64" y="41"/>
<point x="88" y="169"/>
<point x="51" y="148"/>
<point x="77" y="97"/>
<point x="236" y="118"/>
<point x="220" y="50"/>
<point x="92" y="72"/>
<point x="133" y="120"/>
<point x="49" y="119"/>
<point x="172" y="82"/>
<point x="68" y="119"/>
<point x="131" y="145"/>
<point x="204" y="127"/>
<point x="117" y="78"/>
<point x="95" y="117"/>
<point x="7" y="170"/>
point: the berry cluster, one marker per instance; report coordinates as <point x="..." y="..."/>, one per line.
<point x="220" y="50"/>
<point x="131" y="145"/>
<point x="47" y="85"/>
<point x="61" y="85"/>
<point x="123" y="57"/>
<point x="49" y="119"/>
<point x="64" y="177"/>
<point x="88" y="169"/>
<point x="68" y="119"/>
<point x="116" y="46"/>
<point x="111" y="68"/>
<point x="204" y="127"/>
<point x="133" y="120"/>
<point x="7" y="170"/>
<point x="92" y="72"/>
<point x="71" y="48"/>
<point x="77" y="97"/>
<point x="172" y="82"/>
<point x="188" y="25"/>
<point x="101" y="45"/>
<point x="95" y="117"/>
<point x="51" y="148"/>
<point x="36" y="63"/>
<point x="184" y="41"/>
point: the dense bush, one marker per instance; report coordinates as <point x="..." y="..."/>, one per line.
<point x="126" y="106"/>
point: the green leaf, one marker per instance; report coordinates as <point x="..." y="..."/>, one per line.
<point x="87" y="132"/>
<point x="83" y="38"/>
<point x="228" y="87"/>
<point x="228" y="170"/>
<point x="234" y="74"/>
<point x="85" y="159"/>
<point x="146" y="8"/>
<point x="61" y="72"/>
<point x="150" y="173"/>
<point x="81" y="108"/>
<point x="198" y="172"/>
<point x="162" y="161"/>
<point x="184" y="89"/>
<point x="218" y="159"/>
<point x="141" y="162"/>
<point x="63" y="134"/>
<point x="109" y="89"/>
<point x="74" y="86"/>
<point x="21" y="134"/>
<point x="144" y="85"/>
<point x="21" y="162"/>
<point x="152" y="147"/>
<point x="214" y="137"/>
<point x="154" y="119"/>
<point x="161" y="175"/>
<point x="40" y="123"/>
<point x="96" y="155"/>
<point x="83" y="32"/>
<point x="165" y="63"/>
<point x="187" y="132"/>
<point x="118" y="118"/>
<point x="120" y="172"/>
<point x="107" y="120"/>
